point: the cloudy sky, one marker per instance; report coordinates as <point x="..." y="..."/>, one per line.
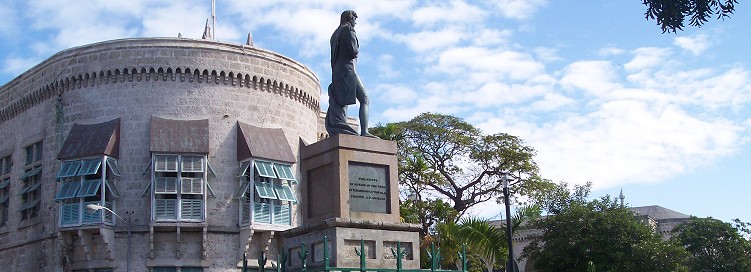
<point x="601" y="93"/>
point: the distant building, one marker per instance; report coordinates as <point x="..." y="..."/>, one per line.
<point x="662" y="220"/>
<point x="195" y="142"/>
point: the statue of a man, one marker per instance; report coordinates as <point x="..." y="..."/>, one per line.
<point x="345" y="85"/>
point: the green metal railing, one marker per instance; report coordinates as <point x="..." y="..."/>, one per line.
<point x="433" y="254"/>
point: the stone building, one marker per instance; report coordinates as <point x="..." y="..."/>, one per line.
<point x="192" y="144"/>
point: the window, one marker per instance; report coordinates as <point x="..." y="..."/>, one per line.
<point x="266" y="193"/>
<point x="5" y="165"/>
<point x="179" y="187"/>
<point x="31" y="182"/>
<point x="83" y="182"/>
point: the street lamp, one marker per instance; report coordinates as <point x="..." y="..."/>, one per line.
<point x="92" y="208"/>
<point x="510" y="264"/>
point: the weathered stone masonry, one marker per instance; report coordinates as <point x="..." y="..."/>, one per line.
<point x="133" y="80"/>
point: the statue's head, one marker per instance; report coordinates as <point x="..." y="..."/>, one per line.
<point x="348" y="17"/>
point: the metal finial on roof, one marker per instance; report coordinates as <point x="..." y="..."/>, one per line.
<point x="250" y="39"/>
<point x="621" y="196"/>
<point x="207" y="32"/>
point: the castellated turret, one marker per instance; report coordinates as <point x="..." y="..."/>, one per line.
<point x="153" y="153"/>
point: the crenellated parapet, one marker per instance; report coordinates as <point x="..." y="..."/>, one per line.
<point x="176" y="60"/>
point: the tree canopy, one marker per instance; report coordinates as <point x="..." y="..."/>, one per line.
<point x="604" y="233"/>
<point x="714" y="245"/>
<point x="671" y="14"/>
<point x="443" y="156"/>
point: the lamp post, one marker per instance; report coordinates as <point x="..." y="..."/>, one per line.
<point x="92" y="208"/>
<point x="510" y="264"/>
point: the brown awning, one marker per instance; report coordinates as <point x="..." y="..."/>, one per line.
<point x="179" y="136"/>
<point x="265" y="143"/>
<point x="91" y="140"/>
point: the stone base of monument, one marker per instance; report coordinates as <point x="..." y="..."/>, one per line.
<point x="346" y="239"/>
<point x="350" y="195"/>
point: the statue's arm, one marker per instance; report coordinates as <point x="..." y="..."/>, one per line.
<point x="352" y="44"/>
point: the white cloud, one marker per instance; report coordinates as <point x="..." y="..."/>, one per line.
<point x="647" y="57"/>
<point x="610" y="51"/>
<point x="9" y="27"/>
<point x="519" y="9"/>
<point x="181" y="17"/>
<point x="594" y="77"/>
<point x="483" y="64"/>
<point x="16" y="65"/>
<point x="696" y="44"/>
<point x="545" y="54"/>
<point x="487" y="37"/>
<point x="396" y="94"/>
<point x="431" y="40"/>
<point x="455" y="12"/>
<point x="553" y="101"/>
<point x="385" y="67"/>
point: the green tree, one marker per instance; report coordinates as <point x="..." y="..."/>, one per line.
<point x="671" y="14"/>
<point x="714" y="245"/>
<point x="445" y="157"/>
<point x="603" y="232"/>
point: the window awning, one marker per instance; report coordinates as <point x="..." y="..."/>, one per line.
<point x="92" y="140"/>
<point x="69" y="189"/>
<point x="89" y="188"/>
<point x="265" y="169"/>
<point x="265" y="143"/>
<point x="68" y="169"/>
<point x="179" y="136"/>
<point x="30" y="188"/>
<point x="265" y="190"/>
<point x="285" y="193"/>
<point x="31" y="173"/>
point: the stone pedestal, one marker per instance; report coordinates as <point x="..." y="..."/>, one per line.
<point x="350" y="193"/>
<point x="344" y="238"/>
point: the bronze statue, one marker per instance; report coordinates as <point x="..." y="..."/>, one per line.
<point x="345" y="85"/>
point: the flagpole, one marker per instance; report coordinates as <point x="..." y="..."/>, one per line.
<point x="213" y="20"/>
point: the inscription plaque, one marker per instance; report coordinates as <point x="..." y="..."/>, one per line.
<point x="368" y="188"/>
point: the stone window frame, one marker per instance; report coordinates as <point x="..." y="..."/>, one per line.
<point x="31" y="182"/>
<point x="6" y="165"/>
<point x="83" y="181"/>
<point x="168" y="182"/>
<point x="271" y="193"/>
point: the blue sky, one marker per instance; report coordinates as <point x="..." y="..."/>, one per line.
<point x="601" y="93"/>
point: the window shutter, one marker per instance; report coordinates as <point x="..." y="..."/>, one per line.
<point x="265" y="169"/>
<point x="89" y="187"/>
<point x="281" y="215"/>
<point x="192" y="163"/>
<point x="112" y="165"/>
<point x="69" y="214"/>
<point x="68" y="169"/>
<point x="285" y="193"/>
<point x="165" y="208"/>
<point x="191" y="186"/>
<point x="265" y="190"/>
<point x="89" y="167"/>
<point x="243" y="169"/>
<point x="69" y="189"/>
<point x="165" y="163"/>
<point x="191" y="209"/>
<point x="284" y="171"/>
<point x="165" y="185"/>
<point x="94" y="217"/>
<point x="262" y="213"/>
